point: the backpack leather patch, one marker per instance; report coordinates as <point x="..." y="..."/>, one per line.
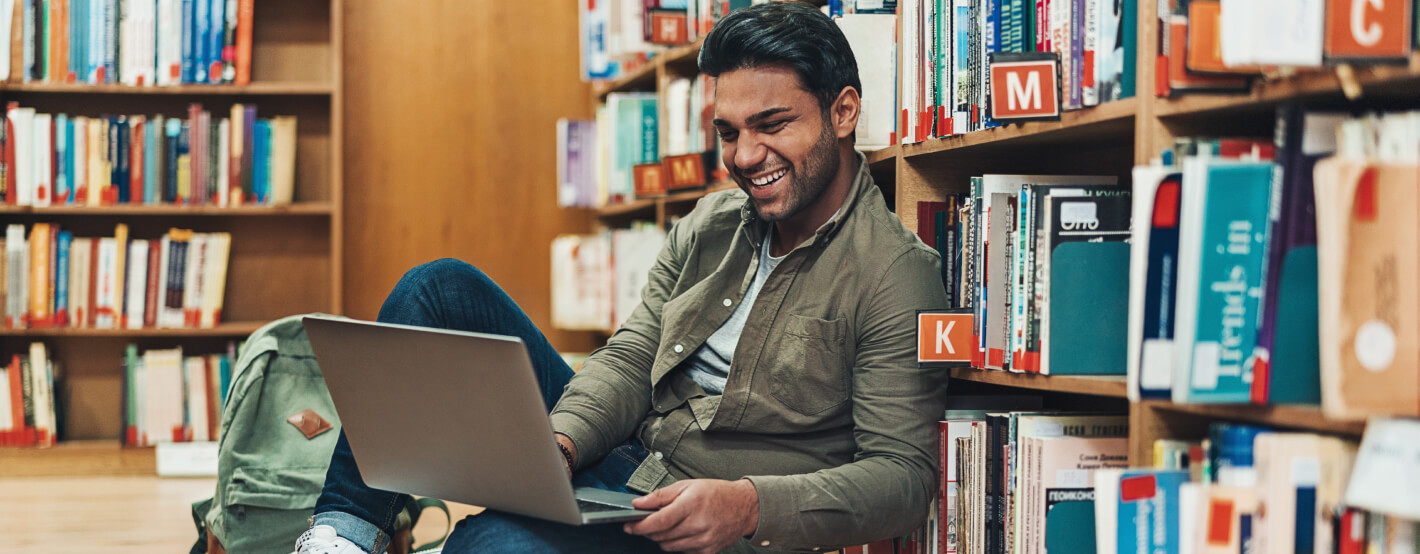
<point x="309" y="423"/>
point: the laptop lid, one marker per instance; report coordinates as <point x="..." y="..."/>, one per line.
<point x="446" y="414"/>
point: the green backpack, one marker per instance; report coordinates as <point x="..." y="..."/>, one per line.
<point x="278" y="430"/>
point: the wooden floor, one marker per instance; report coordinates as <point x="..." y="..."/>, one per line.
<point x="117" y="515"/>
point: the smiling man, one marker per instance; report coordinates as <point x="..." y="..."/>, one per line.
<point x="765" y="394"/>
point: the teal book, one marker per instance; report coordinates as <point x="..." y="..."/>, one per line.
<point x="1223" y="237"/>
<point x="1129" y="36"/>
<point x="1146" y="505"/>
<point x="1084" y="311"/>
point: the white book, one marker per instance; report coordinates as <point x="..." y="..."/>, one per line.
<point x="677" y="137"/>
<point x="874" y="42"/>
<point x="42" y="394"/>
<point x="147" y="25"/>
<point x="1149" y="366"/>
<point x="105" y="295"/>
<point x="633" y="253"/>
<point x="137" y="284"/>
<point x="192" y="285"/>
<point x="22" y="121"/>
<point x="40" y="179"/>
<point x="80" y="153"/>
<point x="16" y="275"/>
<point x="7" y="423"/>
<point x="224" y="161"/>
<point x="283" y="160"/>
<point x="195" y="383"/>
<point x="163" y="394"/>
<point x="7" y="18"/>
<point x="215" y="283"/>
<point x="139" y="389"/>
<point x="1273" y="32"/>
<point x="169" y="42"/>
<point x="96" y="155"/>
<point x="80" y="262"/>
<point x="1107" y="510"/>
<point x="1089" y="86"/>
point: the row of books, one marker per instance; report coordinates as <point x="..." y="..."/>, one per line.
<point x="1252" y="489"/>
<point x="597" y="279"/>
<point x="947" y="47"/>
<point x="133" y="42"/>
<point x="596" y="160"/>
<point x="618" y="36"/>
<point x="1281" y="276"/>
<point x="1030" y="255"/>
<point x="57" y="159"/>
<point x="28" y="407"/>
<point x="55" y="280"/>
<point x="1212" y="45"/>
<point x="170" y="396"/>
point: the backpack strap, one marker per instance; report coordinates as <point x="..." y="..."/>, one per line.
<point x="416" y="507"/>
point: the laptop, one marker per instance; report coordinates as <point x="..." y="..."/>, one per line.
<point x="452" y="415"/>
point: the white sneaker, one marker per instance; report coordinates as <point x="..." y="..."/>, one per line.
<point x="321" y="539"/>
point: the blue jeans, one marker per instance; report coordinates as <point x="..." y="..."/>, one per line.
<point x="451" y="294"/>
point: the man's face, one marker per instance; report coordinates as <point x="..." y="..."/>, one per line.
<point x="774" y="138"/>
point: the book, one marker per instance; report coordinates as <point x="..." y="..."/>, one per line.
<point x="1301" y="480"/>
<point x="1289" y="308"/>
<point x="1063" y="475"/>
<point x="1084" y="270"/>
<point x="1222" y="244"/>
<point x="1139" y="510"/>
<point x="1153" y="275"/>
<point x="39" y="277"/>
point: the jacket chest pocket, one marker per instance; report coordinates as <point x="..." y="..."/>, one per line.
<point x="809" y="372"/>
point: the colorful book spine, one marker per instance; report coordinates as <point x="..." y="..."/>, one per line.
<point x="61" y="278"/>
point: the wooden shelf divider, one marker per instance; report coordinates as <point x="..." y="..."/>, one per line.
<point x="78" y="458"/>
<point x="227" y="329"/>
<point x="1095" y="385"/>
<point x="1319" y="83"/>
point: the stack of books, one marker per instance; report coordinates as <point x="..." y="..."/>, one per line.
<point x="57" y="159"/>
<point x="28" y="406"/>
<point x="54" y="280"/>
<point x="597" y="279"/>
<point x="158" y="42"/>
<point x="169" y="396"/>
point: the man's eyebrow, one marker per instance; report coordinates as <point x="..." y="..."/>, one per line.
<point x="756" y="118"/>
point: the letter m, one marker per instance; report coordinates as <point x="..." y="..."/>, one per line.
<point x="1027" y="94"/>
<point x="683" y="171"/>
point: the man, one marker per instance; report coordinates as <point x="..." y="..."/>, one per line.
<point x="765" y="393"/>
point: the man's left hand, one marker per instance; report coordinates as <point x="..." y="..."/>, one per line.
<point x="698" y="515"/>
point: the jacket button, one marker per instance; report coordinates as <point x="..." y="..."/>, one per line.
<point x="660" y="456"/>
<point x="728" y="302"/>
<point x="678" y="349"/>
<point x="764" y="543"/>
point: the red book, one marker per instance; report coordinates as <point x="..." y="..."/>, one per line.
<point x="245" y="11"/>
<point x="150" y="308"/>
<point x="135" y="165"/>
<point x="92" y="284"/>
<point x="208" y="374"/>
<point x="17" y="395"/>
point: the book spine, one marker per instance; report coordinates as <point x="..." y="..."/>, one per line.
<point x="150" y="297"/>
<point x="245" y="9"/>
<point x="188" y="45"/>
<point x="229" y="42"/>
<point x="135" y="159"/>
<point x="216" y="26"/>
<point x="61" y="279"/>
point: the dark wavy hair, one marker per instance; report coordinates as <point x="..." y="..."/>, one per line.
<point x="790" y="33"/>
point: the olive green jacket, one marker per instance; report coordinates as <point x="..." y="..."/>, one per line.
<point x="825" y="409"/>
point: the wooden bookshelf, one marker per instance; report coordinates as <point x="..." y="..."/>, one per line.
<point x="76" y="458"/>
<point x="121" y="211"/>
<point x="1093" y="385"/>
<point x="1108" y="139"/>
<point x="253" y="89"/>
<point x="226" y="329"/>
<point x="284" y="260"/>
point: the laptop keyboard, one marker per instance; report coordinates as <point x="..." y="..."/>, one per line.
<point x="589" y="507"/>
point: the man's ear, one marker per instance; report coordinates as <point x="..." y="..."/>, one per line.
<point x="845" y="112"/>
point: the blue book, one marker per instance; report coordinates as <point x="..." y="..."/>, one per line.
<point x="110" y="43"/>
<point x="1147" y="508"/>
<point x="1160" y="290"/>
<point x="201" y="27"/>
<point x="1223" y="232"/>
<point x="217" y="24"/>
<point x="261" y="162"/>
<point x="153" y="169"/>
<point x="78" y="12"/>
<point x="61" y="278"/>
<point x="63" y="176"/>
<point x="172" y="133"/>
<point x="119" y="155"/>
<point x="188" y="41"/>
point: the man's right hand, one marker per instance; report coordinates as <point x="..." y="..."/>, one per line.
<point x="569" y="455"/>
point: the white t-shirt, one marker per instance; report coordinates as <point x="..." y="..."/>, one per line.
<point x="709" y="365"/>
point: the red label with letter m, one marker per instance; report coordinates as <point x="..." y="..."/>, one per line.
<point x="1025" y="87"/>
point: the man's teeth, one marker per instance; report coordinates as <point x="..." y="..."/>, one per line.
<point x="769" y="178"/>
